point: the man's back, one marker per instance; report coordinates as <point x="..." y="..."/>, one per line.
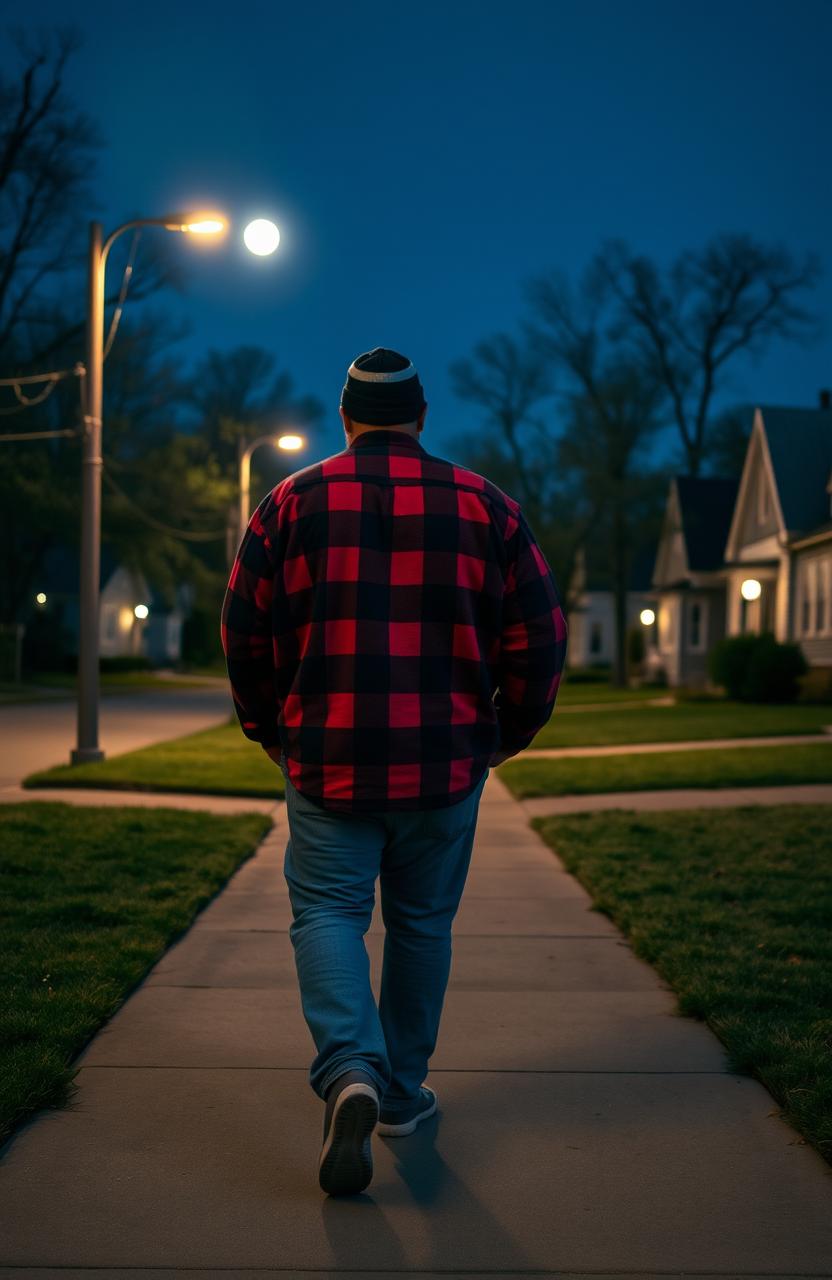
<point x="379" y="599"/>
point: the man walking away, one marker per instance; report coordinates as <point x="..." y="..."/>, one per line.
<point x="392" y="631"/>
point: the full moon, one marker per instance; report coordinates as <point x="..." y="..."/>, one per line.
<point x="261" y="237"/>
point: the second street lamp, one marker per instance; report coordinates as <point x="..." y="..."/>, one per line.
<point x="290" y="442"/>
<point x="87" y="747"/>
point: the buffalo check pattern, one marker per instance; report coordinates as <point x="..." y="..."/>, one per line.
<point x="389" y="623"/>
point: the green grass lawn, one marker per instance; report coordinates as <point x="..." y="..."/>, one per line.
<point x="722" y="767"/>
<point x="733" y="910"/>
<point x="221" y="761"/>
<point x="586" y="694"/>
<point x="90" y="899"/>
<point x="694" y="721"/>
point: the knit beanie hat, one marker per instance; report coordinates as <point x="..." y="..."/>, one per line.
<point x="382" y="389"/>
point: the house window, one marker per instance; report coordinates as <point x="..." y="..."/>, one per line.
<point x="595" y="638"/>
<point x="110" y="622"/>
<point x="806" y="581"/>
<point x="820" y="596"/>
<point x="697" y="615"/>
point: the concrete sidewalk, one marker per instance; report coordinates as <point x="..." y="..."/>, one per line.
<point x="680" y="798"/>
<point x="583" y="1127"/>
<point x="110" y="798"/>
<point x="658" y="748"/>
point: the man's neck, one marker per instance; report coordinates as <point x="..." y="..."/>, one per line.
<point x="413" y="432"/>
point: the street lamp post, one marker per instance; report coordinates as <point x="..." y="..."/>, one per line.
<point x="244" y="462"/>
<point x="87" y="747"/>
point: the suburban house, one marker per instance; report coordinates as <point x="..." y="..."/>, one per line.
<point x="778" y="556"/>
<point x="134" y="619"/>
<point x="688" y="577"/>
<point x="749" y="555"/>
<point x="592" y="613"/>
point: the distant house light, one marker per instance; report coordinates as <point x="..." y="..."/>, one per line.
<point x="647" y="617"/>
<point x="41" y="597"/>
<point x="141" y="611"/>
<point x="750" y="589"/>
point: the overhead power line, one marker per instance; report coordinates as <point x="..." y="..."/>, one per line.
<point x="78" y="370"/>
<point x="187" y="535"/>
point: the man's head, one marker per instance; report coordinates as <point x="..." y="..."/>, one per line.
<point x="382" y="390"/>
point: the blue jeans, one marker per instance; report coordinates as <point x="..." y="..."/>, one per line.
<point x="331" y="864"/>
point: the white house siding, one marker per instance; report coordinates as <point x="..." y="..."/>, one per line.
<point x="593" y="614"/>
<point x="774" y="580"/>
<point x="668" y="623"/>
<point x="120" y="631"/>
<point x="812" y="614"/>
<point x="693" y="655"/>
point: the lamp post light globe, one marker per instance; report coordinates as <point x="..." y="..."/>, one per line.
<point x="647" y="617"/>
<point x="261" y="237"/>
<point x="751" y="589"/>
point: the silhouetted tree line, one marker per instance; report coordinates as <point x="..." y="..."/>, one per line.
<point x="607" y="390"/>
<point x="170" y="438"/>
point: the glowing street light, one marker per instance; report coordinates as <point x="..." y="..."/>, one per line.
<point x="141" y="611"/>
<point x="647" y="617"/>
<point x="244" y="459"/>
<point x="200" y="223"/>
<point x="261" y="237"/>
<point x="751" y="589"/>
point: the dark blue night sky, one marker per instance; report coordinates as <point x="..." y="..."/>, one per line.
<point x="423" y="160"/>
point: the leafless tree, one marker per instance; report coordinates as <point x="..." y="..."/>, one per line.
<point x="611" y="419"/>
<point x="733" y="296"/>
<point x="509" y="383"/>
<point x="47" y="166"/>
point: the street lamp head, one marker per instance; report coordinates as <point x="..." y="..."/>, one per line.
<point x="201" y="224"/>
<point x="289" y="442"/>
<point x="261" y="237"/>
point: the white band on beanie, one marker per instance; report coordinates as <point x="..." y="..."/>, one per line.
<point x="395" y="375"/>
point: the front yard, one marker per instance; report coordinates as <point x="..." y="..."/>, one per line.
<point x="665" y="770"/>
<point x="733" y="910"/>
<point x="90" y="899"/>
<point x="685" y="721"/>
<point x="221" y="761"/>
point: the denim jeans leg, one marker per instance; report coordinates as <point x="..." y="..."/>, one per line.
<point x="331" y="864"/>
<point x="423" y="874"/>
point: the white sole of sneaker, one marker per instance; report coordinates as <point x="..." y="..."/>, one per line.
<point x="401" y="1130"/>
<point x="346" y="1163"/>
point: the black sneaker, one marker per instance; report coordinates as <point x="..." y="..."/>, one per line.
<point x="395" y="1124"/>
<point x="352" y="1108"/>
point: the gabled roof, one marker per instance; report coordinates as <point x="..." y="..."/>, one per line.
<point x="800" y="447"/>
<point x="706" y="504"/>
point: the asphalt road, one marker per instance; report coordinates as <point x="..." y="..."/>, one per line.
<point x="37" y="735"/>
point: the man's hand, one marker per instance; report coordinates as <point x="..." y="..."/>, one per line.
<point x="273" y="753"/>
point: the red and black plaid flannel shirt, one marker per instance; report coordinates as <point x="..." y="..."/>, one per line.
<point x="379" y="600"/>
